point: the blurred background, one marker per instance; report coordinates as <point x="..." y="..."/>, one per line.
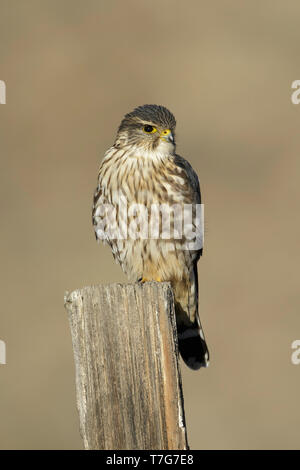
<point x="72" y="70"/>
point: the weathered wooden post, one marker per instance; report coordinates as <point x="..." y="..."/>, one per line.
<point x="128" y="380"/>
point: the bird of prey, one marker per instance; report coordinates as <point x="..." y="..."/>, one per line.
<point x="144" y="168"/>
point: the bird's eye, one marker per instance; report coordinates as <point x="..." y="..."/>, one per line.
<point x="149" y="129"/>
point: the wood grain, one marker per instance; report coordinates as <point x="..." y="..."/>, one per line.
<point x="128" y="381"/>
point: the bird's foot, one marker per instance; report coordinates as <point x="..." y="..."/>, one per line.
<point x="144" y="279"/>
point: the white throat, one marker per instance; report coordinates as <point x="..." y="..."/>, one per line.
<point x="162" y="151"/>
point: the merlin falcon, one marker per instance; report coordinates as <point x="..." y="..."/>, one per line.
<point x="142" y="170"/>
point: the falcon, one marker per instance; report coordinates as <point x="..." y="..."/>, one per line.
<point x="140" y="172"/>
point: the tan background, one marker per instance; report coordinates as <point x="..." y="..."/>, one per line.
<point x="225" y="68"/>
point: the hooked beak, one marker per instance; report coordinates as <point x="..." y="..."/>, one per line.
<point x="167" y="135"/>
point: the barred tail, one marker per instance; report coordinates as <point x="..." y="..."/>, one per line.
<point x="193" y="347"/>
<point x="191" y="341"/>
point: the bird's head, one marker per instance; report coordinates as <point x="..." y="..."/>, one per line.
<point x="150" y="128"/>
